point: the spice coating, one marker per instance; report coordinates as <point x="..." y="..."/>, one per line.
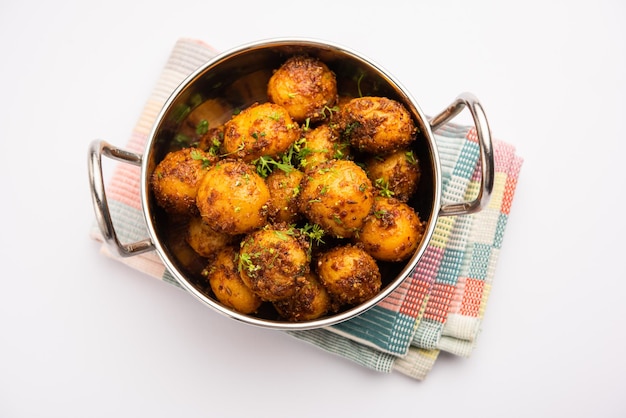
<point x="273" y="263"/>
<point x="205" y="240"/>
<point x="377" y="125"/>
<point x="176" y="178"/>
<point x="304" y="86"/>
<point x="337" y="195"/>
<point x="261" y="129"/>
<point x="323" y="143"/>
<point x="349" y="273"/>
<point x="232" y="198"/>
<point x="311" y="301"/>
<point x="226" y="283"/>
<point x="398" y="173"/>
<point x="284" y="189"/>
<point x="392" y="232"/>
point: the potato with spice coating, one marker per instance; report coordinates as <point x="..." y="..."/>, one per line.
<point x="397" y="174"/>
<point x="205" y="240"/>
<point x="337" y="195"/>
<point x="232" y="198"/>
<point x="304" y="86"/>
<point x="273" y="263"/>
<point x="226" y="283"/>
<point x="284" y="188"/>
<point x="376" y="125"/>
<point x="350" y="274"/>
<point x="259" y="130"/>
<point x="392" y="232"/>
<point x="312" y="301"/>
<point x="175" y="180"/>
<point x="323" y="143"/>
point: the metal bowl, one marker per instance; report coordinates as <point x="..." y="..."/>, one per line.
<point x="238" y="78"/>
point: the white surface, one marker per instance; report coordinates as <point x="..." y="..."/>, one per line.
<point x="82" y="336"/>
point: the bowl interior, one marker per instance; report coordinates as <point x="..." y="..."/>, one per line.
<point x="237" y="79"/>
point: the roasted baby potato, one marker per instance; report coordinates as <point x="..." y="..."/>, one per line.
<point x="232" y="198"/>
<point x="175" y="180"/>
<point x="225" y="281"/>
<point x="323" y="143"/>
<point x="304" y="86"/>
<point x="205" y="240"/>
<point x="337" y="195"/>
<point x="311" y="301"/>
<point x="259" y="130"/>
<point x="377" y="125"/>
<point x="284" y="188"/>
<point x="273" y="263"/>
<point x="396" y="174"/>
<point x="350" y="274"/>
<point x="392" y="232"/>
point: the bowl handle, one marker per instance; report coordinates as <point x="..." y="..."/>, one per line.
<point x="486" y="153"/>
<point x="97" y="149"/>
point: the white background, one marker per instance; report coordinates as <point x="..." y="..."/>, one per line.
<point x="83" y="336"/>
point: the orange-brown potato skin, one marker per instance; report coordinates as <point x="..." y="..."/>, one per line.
<point x="225" y="281"/>
<point x="350" y="274"/>
<point x="323" y="143"/>
<point x="260" y="130"/>
<point x="310" y="302"/>
<point x="392" y="232"/>
<point x="337" y="195"/>
<point x="273" y="263"/>
<point x="232" y="198"/>
<point x="399" y="172"/>
<point x="376" y="125"/>
<point x="175" y="180"/>
<point x="205" y="240"/>
<point x="284" y="188"/>
<point x="304" y="86"/>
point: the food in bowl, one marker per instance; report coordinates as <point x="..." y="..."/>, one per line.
<point x="338" y="196"/>
<point x="226" y="283"/>
<point x="305" y="87"/>
<point x="293" y="204"/>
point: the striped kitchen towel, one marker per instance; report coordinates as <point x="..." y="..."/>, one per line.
<point x="441" y="304"/>
<point x="444" y="304"/>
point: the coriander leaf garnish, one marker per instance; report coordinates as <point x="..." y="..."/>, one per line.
<point x="203" y="127"/>
<point x="246" y="263"/>
<point x="182" y="140"/>
<point x="197" y="156"/>
<point x="265" y="165"/>
<point x="410" y="157"/>
<point x="313" y="232"/>
<point x="358" y="83"/>
<point x="281" y="235"/>
<point x="330" y="111"/>
<point x="383" y="186"/>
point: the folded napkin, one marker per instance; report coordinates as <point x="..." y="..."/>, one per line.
<point x="441" y="304"/>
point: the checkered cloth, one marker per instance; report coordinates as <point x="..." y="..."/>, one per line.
<point x="438" y="307"/>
